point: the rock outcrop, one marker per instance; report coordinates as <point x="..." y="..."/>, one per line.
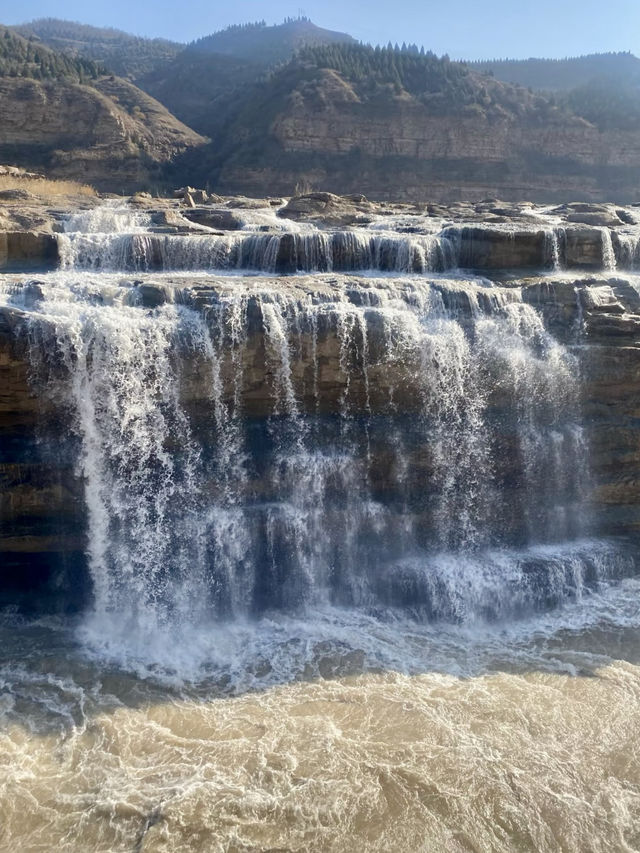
<point x="42" y="527"/>
<point x="109" y="134"/>
<point x="401" y="151"/>
<point x="328" y="209"/>
<point x="27" y="250"/>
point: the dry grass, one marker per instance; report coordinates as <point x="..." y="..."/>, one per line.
<point x="44" y="188"/>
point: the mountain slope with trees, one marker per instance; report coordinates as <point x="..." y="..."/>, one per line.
<point x="401" y="123"/>
<point x="295" y="104"/>
<point x="21" y="57"/>
<point x="124" y="54"/>
<point x="65" y="114"/>
<point x="563" y="74"/>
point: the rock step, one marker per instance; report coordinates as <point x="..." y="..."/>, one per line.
<point x="28" y="251"/>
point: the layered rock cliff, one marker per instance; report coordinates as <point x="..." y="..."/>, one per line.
<point x="110" y="133"/>
<point x="401" y="151"/>
<point x="495" y="407"/>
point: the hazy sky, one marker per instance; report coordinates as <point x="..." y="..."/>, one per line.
<point x="462" y="28"/>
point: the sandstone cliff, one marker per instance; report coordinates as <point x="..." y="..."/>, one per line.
<point x="402" y="151"/>
<point x="110" y="133"/>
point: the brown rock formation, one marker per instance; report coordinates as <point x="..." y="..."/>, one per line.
<point x="109" y="134"/>
<point x="400" y="151"/>
<point x="27" y="250"/>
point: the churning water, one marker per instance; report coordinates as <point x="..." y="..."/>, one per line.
<point x="347" y="589"/>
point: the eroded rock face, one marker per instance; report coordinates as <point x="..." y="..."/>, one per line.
<point x="584" y="247"/>
<point x="484" y="248"/>
<point x="108" y="134"/>
<point x="403" y="152"/>
<point x="220" y="219"/>
<point x="42" y="512"/>
<point x="27" y="250"/>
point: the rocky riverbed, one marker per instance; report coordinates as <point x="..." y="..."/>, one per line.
<point x="490" y="234"/>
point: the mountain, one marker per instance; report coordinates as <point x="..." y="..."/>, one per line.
<point x="124" y="54"/>
<point x="563" y="74"/>
<point x="206" y="83"/>
<point x="65" y="114"/>
<point x="268" y="45"/>
<point x="200" y="83"/>
<point x="402" y="124"/>
<point x="296" y="105"/>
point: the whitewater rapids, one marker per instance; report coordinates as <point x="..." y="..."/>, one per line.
<point x="331" y="733"/>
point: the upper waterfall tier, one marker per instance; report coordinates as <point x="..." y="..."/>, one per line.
<point x="128" y="246"/>
<point x="113" y="238"/>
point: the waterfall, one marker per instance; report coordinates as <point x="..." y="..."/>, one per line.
<point x="256" y="523"/>
<point x="555" y="239"/>
<point x="110" y="217"/>
<point x="277" y="252"/>
<point x="407" y="442"/>
<point x="629" y="250"/>
<point x="112" y="238"/>
<point x="608" y="254"/>
<point x="254" y="446"/>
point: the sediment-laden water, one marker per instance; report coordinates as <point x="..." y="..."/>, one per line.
<point x="347" y="585"/>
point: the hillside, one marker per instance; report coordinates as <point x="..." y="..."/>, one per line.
<point x="400" y="124"/>
<point x="199" y="83"/>
<point x="361" y="85"/>
<point x="64" y="114"/>
<point x="206" y="83"/>
<point x="564" y="74"/>
<point x="123" y="54"/>
<point x="603" y="88"/>
<point x="20" y="57"/>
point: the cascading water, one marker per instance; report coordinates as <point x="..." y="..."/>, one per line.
<point x="252" y="447"/>
<point x="609" y="261"/>
<point x="555" y="239"/>
<point x="629" y="250"/>
<point x="113" y="238"/>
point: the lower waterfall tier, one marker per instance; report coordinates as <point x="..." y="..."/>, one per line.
<point x="181" y="449"/>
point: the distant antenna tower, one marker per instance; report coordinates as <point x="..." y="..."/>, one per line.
<point x="301" y="13"/>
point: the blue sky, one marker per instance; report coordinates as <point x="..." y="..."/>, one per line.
<point x="471" y="29"/>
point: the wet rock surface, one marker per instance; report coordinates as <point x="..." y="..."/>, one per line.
<point x="487" y="235"/>
<point x="328" y="208"/>
<point x="577" y="277"/>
